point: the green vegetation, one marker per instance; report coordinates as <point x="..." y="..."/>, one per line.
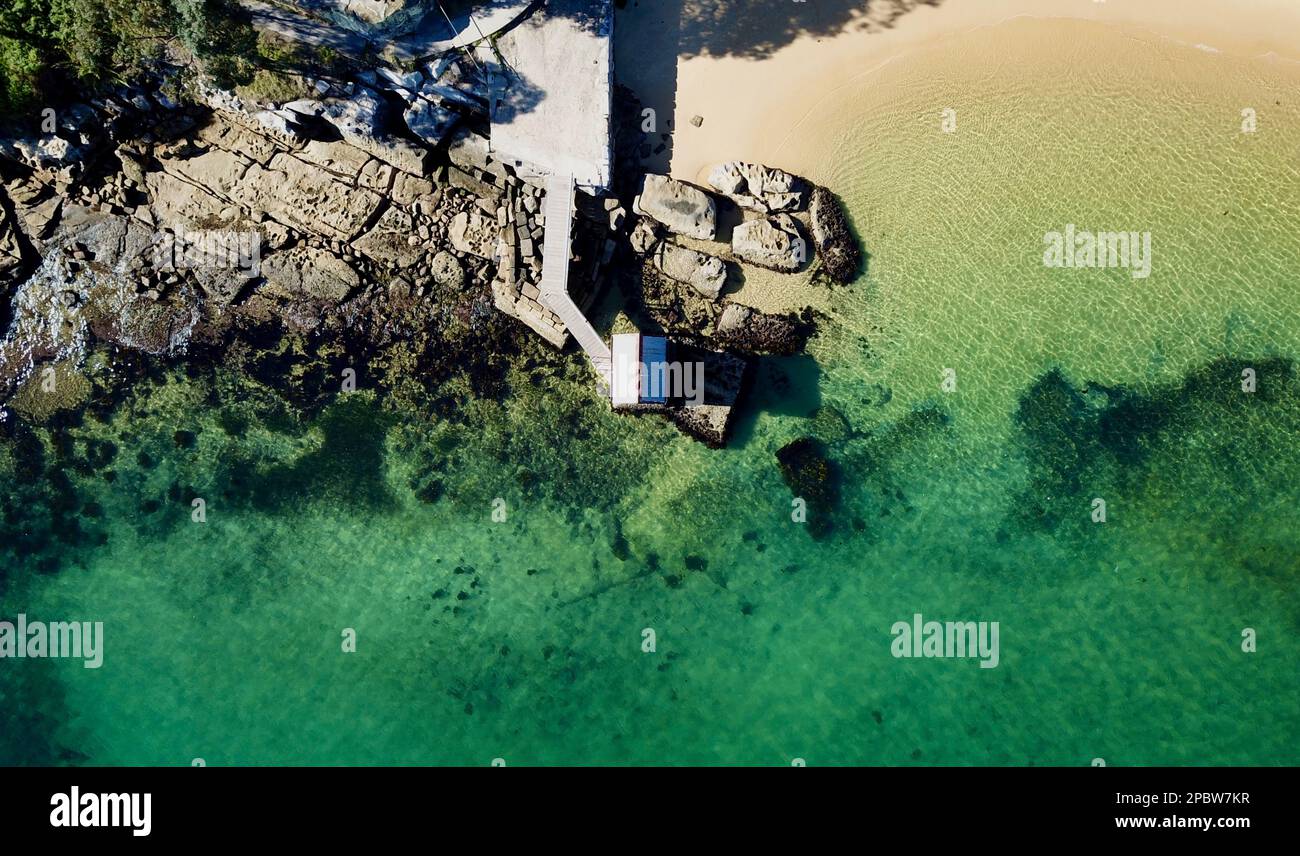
<point x="46" y="43"/>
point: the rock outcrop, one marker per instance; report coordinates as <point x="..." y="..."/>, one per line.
<point x="839" y="252"/>
<point x="706" y="274"/>
<point x="360" y="121"/>
<point x="680" y="207"/>
<point x="758" y="187"/>
<point x="774" y="243"/>
<point x="755" y="332"/>
<point x="473" y="233"/>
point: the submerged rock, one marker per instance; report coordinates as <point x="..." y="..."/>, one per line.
<point x="813" y="477"/>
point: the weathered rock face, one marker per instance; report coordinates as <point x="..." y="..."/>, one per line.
<point x="447" y="270"/>
<point x="774" y="243"/>
<point x="680" y="207"/>
<point x="428" y="121"/>
<point x="758" y="187"/>
<point x="645" y="236"/>
<point x="11" y="256"/>
<point x="305" y="273"/>
<point x="360" y="121"/>
<point x="841" y="257"/>
<point x="473" y="233"/>
<point x="706" y="274"/>
<point x="389" y="240"/>
<point x="453" y="79"/>
<point x="295" y="194"/>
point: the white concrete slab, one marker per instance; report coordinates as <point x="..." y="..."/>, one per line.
<point x="551" y="93"/>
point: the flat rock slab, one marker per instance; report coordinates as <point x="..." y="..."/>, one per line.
<point x="706" y="274"/>
<point x="680" y="207"/>
<point x="473" y="233"/>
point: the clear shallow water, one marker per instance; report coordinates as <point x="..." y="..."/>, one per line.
<point x="522" y="639"/>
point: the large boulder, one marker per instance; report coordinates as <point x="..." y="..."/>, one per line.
<point x="841" y="257"/>
<point x="455" y="80"/>
<point x="468" y="150"/>
<point x="680" y="207"/>
<point x="389" y="241"/>
<point x="774" y="243"/>
<point x="706" y="274"/>
<point x="446" y="270"/>
<point x="758" y="187"/>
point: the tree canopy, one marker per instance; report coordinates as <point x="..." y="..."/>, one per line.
<point x="93" y="42"/>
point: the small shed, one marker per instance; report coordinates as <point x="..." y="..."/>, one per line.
<point x="639" y="373"/>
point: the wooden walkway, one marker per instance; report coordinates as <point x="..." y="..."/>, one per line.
<point x="555" y="273"/>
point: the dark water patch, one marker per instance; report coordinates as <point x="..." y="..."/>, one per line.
<point x="879" y="461"/>
<point x="550" y="440"/>
<point x="44" y="524"/>
<point x="347" y="470"/>
<point x="1208" y="433"/>
<point x="813" y="478"/>
<point x="782" y="386"/>
<point x="32" y="714"/>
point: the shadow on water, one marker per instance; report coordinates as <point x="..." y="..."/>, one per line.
<point x="782" y="386"/>
<point x="1207" y="433"/>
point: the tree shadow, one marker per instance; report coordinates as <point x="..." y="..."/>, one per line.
<point x="652" y="36"/>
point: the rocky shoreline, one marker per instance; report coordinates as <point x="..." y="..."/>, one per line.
<point x="372" y="221"/>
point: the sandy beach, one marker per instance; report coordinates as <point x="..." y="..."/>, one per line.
<point x="753" y="71"/>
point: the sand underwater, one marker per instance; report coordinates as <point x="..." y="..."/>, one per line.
<point x="522" y="639"/>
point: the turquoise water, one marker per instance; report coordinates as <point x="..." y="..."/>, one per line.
<point x="522" y="638"/>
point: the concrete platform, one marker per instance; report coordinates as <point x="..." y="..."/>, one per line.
<point x="550" y="107"/>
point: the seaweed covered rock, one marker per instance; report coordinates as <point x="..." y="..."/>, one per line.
<point x="840" y="254"/>
<point x="813" y="477"/>
<point x="757" y="332"/>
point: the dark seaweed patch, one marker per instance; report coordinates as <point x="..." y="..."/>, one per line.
<point x="348" y="469"/>
<point x="1084" y="442"/>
